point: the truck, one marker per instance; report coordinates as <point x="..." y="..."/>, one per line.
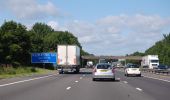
<point x="150" y="61"/>
<point x="102" y="61"/>
<point x="68" y="58"/>
<point x="89" y="64"/>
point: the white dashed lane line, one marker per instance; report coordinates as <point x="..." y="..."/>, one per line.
<point x="81" y="77"/>
<point x="118" y="79"/>
<point x="76" y="81"/>
<point x="139" y="89"/>
<point x="125" y="82"/>
<point x="68" y="88"/>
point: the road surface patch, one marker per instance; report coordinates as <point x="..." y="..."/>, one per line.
<point x="157" y="78"/>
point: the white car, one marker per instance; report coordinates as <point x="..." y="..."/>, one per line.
<point x="103" y="71"/>
<point x="132" y="69"/>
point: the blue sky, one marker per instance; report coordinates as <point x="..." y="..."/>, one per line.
<point x="104" y="27"/>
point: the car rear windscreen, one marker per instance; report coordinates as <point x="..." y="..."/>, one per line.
<point x="103" y="66"/>
<point x="133" y="66"/>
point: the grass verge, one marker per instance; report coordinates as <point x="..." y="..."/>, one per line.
<point x="10" y="72"/>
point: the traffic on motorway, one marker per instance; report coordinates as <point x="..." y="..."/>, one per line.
<point x="84" y="49"/>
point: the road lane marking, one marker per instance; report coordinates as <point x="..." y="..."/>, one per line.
<point x="76" y="81"/>
<point x="81" y="77"/>
<point x="26" y="80"/>
<point x="125" y="82"/>
<point x="139" y="89"/>
<point x="84" y="75"/>
<point x="156" y="78"/>
<point x="68" y="88"/>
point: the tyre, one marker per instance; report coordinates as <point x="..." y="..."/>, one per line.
<point x="60" y="72"/>
<point x="93" y="79"/>
<point x="139" y="75"/>
<point x="113" y="79"/>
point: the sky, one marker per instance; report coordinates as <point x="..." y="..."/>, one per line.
<point x="103" y="27"/>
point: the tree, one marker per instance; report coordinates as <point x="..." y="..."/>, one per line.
<point x="162" y="49"/>
<point x="15" y="43"/>
<point x="37" y="34"/>
<point x="59" y="37"/>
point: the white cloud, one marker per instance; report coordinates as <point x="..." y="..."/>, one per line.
<point x="118" y="35"/>
<point x="30" y="9"/>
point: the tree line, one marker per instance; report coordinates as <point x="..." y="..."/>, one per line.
<point x="160" y="48"/>
<point x="17" y="43"/>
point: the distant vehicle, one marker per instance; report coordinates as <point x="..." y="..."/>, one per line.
<point x="102" y="61"/>
<point x="132" y="69"/>
<point x="150" y="61"/>
<point x="90" y="64"/>
<point x="68" y="58"/>
<point x="162" y="67"/>
<point x="103" y="71"/>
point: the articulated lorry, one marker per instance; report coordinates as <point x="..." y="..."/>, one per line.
<point x="68" y="58"/>
<point x="150" y="61"/>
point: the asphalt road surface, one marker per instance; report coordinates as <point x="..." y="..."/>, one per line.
<point x="81" y="87"/>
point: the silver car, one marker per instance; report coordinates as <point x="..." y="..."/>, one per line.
<point x="103" y="71"/>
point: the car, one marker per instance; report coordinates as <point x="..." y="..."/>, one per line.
<point x="103" y="71"/>
<point x="132" y="69"/>
<point x="162" y="67"/>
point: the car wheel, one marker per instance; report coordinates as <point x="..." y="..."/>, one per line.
<point x="93" y="79"/>
<point x="127" y="75"/>
<point x="113" y="79"/>
<point x="60" y="72"/>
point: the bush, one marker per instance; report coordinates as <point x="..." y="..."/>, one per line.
<point x="16" y="64"/>
<point x="33" y="69"/>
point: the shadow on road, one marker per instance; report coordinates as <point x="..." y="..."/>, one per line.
<point x="78" y="73"/>
<point x="106" y="80"/>
<point x="85" y="73"/>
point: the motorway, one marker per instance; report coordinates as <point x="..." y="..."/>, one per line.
<point x="81" y="87"/>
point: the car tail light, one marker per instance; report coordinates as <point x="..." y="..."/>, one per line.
<point x="94" y="70"/>
<point x="113" y="70"/>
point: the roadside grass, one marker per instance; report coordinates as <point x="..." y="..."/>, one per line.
<point x="9" y="72"/>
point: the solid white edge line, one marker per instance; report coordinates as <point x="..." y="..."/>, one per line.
<point x="139" y="89"/>
<point x="68" y="88"/>
<point x="26" y="80"/>
<point x="156" y="78"/>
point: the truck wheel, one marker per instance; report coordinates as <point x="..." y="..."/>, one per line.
<point x="77" y="70"/>
<point x="127" y="75"/>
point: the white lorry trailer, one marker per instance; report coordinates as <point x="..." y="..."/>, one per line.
<point x="150" y="61"/>
<point x="68" y="58"/>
